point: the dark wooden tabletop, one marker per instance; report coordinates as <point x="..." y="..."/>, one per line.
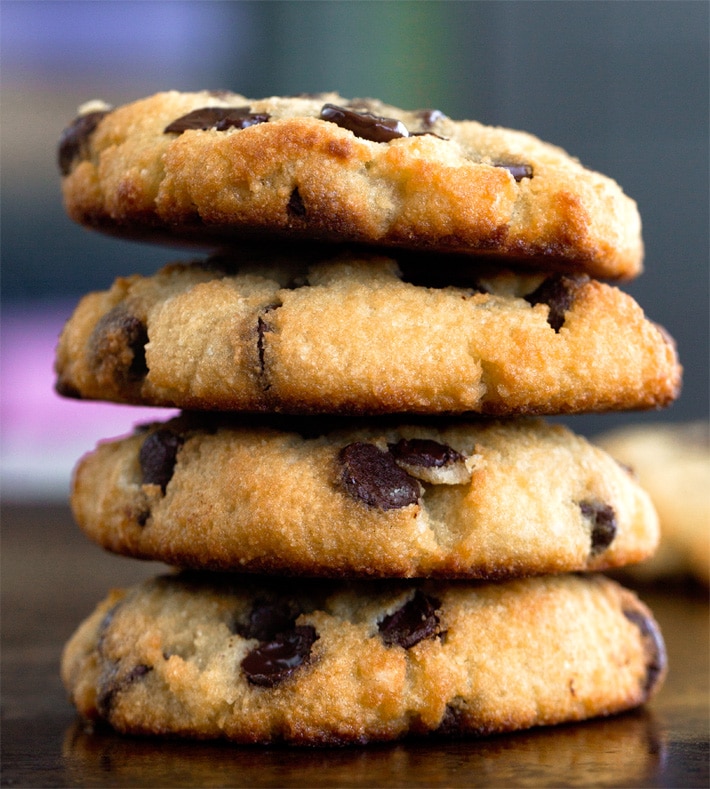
<point x="52" y="577"/>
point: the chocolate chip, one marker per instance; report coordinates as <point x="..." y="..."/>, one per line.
<point x="158" y="455"/>
<point x="142" y="516"/>
<point x="430" y="117"/>
<point x="218" y="118"/>
<point x="603" y="520"/>
<point x="118" y="346"/>
<point x="74" y="140"/>
<point x="273" y="661"/>
<point x="295" y="206"/>
<point x="412" y="623"/>
<point x="558" y="292"/>
<point x="106" y="623"/>
<point x="262" y="327"/>
<point x="268" y="618"/>
<point x="424" y="452"/>
<point x="364" y="124"/>
<point x="654" y="647"/>
<point x="453" y="721"/>
<point x="112" y="683"/>
<point x="136" y="673"/>
<point x="373" y="477"/>
<point x="518" y="171"/>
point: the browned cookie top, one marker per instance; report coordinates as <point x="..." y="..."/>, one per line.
<point x="209" y="167"/>
<point x="359" y="334"/>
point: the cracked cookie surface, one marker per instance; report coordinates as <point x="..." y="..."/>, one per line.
<point x="377" y="499"/>
<point x="335" y="663"/>
<point x="213" y="167"/>
<point x="363" y="334"/>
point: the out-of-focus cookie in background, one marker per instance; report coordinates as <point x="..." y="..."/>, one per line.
<point x="672" y="462"/>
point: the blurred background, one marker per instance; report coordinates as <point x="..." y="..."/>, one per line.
<point x="623" y="86"/>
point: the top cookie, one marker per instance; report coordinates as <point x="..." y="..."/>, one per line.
<point x="209" y="167"/>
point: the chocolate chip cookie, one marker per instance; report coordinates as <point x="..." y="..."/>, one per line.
<point x="672" y="462"/>
<point x="332" y="662"/>
<point x="481" y="499"/>
<point x="213" y="167"/>
<point x="351" y="333"/>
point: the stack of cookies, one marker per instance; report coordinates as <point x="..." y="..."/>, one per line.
<point x="376" y="531"/>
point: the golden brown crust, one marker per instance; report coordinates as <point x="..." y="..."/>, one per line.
<point x="352" y="336"/>
<point x="168" y="658"/>
<point x="236" y="496"/>
<point x="302" y="177"/>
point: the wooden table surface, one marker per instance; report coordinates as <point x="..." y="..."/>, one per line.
<point x="52" y="577"/>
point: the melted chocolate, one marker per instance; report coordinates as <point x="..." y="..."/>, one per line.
<point x="372" y="476"/>
<point x="518" y="171"/>
<point x="158" y="455"/>
<point x="424" y="452"/>
<point x="268" y="618"/>
<point x="558" y="292"/>
<point x="118" y="345"/>
<point x="412" y="623"/>
<point x="364" y="124"/>
<point x="273" y="661"/>
<point x="295" y="206"/>
<point x="218" y="118"/>
<point x="656" y="659"/>
<point x="74" y="140"/>
<point x="603" y="520"/>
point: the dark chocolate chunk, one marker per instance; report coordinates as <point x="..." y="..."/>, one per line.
<point x="295" y="206"/>
<point x="373" y="477"/>
<point x="656" y="658"/>
<point x="518" y="171"/>
<point x="112" y="683"/>
<point x="142" y="516"/>
<point x="219" y="118"/>
<point x="105" y="624"/>
<point x="430" y="117"/>
<point x="268" y="618"/>
<point x="453" y="721"/>
<point x="603" y="520"/>
<point x="158" y="455"/>
<point x="424" y="452"/>
<point x="412" y="623"/>
<point x="273" y="661"/>
<point x="137" y="672"/>
<point x="558" y="292"/>
<point x="118" y="345"/>
<point x="74" y="140"/>
<point x="262" y="327"/>
<point x="364" y="124"/>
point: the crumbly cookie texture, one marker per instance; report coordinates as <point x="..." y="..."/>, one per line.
<point x="468" y="499"/>
<point x="331" y="663"/>
<point x="672" y="462"/>
<point x="355" y="334"/>
<point x="211" y="167"/>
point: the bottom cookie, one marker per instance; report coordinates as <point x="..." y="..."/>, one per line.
<point x="321" y="662"/>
